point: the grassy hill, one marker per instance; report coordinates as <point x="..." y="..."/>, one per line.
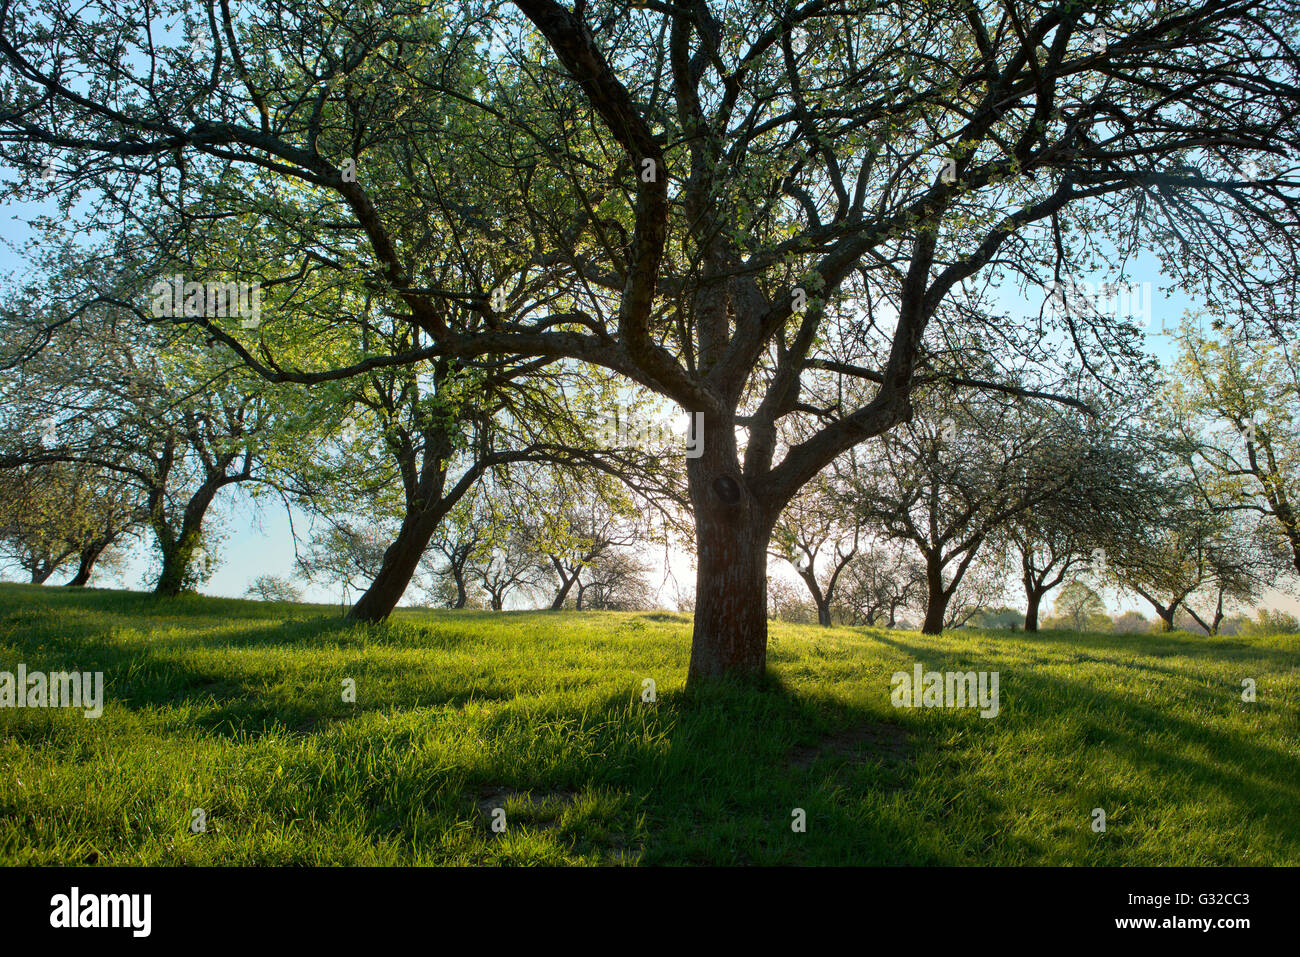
<point x="235" y="707"/>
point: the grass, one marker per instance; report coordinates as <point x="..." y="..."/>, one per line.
<point x="235" y="707"/>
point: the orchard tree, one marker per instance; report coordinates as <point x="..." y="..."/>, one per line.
<point x="1236" y="404"/>
<point x="879" y="581"/>
<point x="813" y="529"/>
<point x="952" y="480"/>
<point x="1079" y="606"/>
<point x="787" y="211"/>
<point x="166" y="425"/>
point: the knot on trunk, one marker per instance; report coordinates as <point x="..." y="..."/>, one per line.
<point x="727" y="489"/>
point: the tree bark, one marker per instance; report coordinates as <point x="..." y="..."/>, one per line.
<point x="732" y="532"/>
<point x="398" y="568"/>
<point x="86" y="563"/>
<point x="566" y="583"/>
<point x="1034" y="599"/>
<point x="936" y="603"/>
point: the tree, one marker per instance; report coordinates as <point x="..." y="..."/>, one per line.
<point x="1234" y="403"/>
<point x="273" y="588"/>
<point x="1187" y="548"/>
<point x="1131" y="622"/>
<point x="460" y="541"/>
<point x="343" y="555"/>
<point x="162" y="427"/>
<point x="1079" y="606"/>
<point x="877" y="582"/>
<point x="617" y="581"/>
<point x="786" y="603"/>
<point x="507" y="566"/>
<point x="1102" y="511"/>
<point x="580" y="520"/>
<point x="812" y="527"/>
<point x="701" y="204"/>
<point x="954" y="479"/>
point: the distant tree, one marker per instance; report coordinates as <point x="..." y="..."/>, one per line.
<point x="273" y="588"/>
<point x="819" y="536"/>
<point x="786" y="602"/>
<point x="996" y="618"/>
<point x="1270" y="622"/>
<point x="344" y="555"/>
<point x="877" y="582"/>
<point x="462" y="538"/>
<point x="1236" y="404"/>
<point x="509" y="565"/>
<point x="1191" y="551"/>
<point x="1101" y="511"/>
<point x="156" y="410"/>
<point x="1130" y="622"/>
<point x="1079" y="607"/>
<point x="575" y="522"/>
<point x="58" y="513"/>
<point x="954" y="476"/>
<point x="617" y="580"/>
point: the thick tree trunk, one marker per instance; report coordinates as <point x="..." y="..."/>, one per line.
<point x="86" y="564"/>
<point x="1034" y="599"/>
<point x="177" y="556"/>
<point x="398" y="568"/>
<point x="42" y="574"/>
<point x="732" y="532"/>
<point x="936" y="603"/>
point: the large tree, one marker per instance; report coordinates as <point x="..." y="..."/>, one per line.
<point x="739" y="212"/>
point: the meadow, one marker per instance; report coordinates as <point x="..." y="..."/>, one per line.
<point x="236" y="709"/>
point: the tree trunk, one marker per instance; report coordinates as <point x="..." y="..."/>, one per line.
<point x="86" y="564"/>
<point x="178" y="550"/>
<point x="42" y="573"/>
<point x="936" y="604"/>
<point x="1034" y="599"/>
<point x="822" y="601"/>
<point x="565" y="585"/>
<point x="462" y="595"/>
<point x="177" y="555"/>
<point x="400" y="561"/>
<point x="732" y="532"/>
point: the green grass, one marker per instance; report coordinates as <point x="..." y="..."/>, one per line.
<point x="235" y="707"/>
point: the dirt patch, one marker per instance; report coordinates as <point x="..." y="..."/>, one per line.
<point x="541" y="808"/>
<point x="871" y="742"/>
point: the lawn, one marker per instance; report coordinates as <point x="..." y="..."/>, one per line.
<point x="236" y="708"/>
